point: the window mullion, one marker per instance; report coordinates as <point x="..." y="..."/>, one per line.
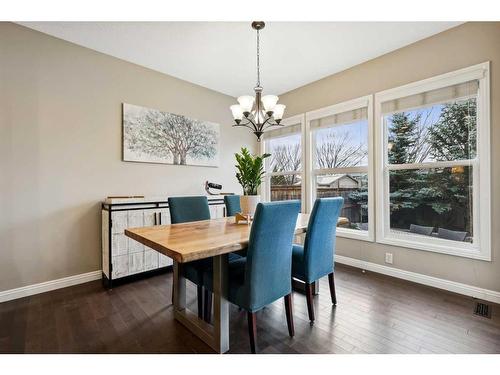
<point x="431" y="165"/>
<point x="318" y="172"/>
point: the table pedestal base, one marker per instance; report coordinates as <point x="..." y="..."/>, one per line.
<point x="216" y="335"/>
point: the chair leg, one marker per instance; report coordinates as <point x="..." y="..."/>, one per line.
<point x="309" y="298"/>
<point x="331" y="281"/>
<point x="289" y="314"/>
<point x="199" y="294"/>
<point x="252" y="331"/>
<point x="208" y="306"/>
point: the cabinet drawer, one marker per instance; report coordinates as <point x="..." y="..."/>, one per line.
<point x="119" y="244"/>
<point x="120" y="266"/>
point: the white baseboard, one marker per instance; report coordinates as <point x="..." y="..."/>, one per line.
<point x="47" y="286"/>
<point x="452" y="286"/>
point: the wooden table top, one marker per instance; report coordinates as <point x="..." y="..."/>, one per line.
<point x="201" y="239"/>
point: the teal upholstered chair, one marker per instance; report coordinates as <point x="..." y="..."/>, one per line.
<point x="183" y="210"/>
<point x="315" y="259"/>
<point x="232" y="203"/>
<point x="188" y="209"/>
<point x="265" y="274"/>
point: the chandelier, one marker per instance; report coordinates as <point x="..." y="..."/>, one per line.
<point x="260" y="112"/>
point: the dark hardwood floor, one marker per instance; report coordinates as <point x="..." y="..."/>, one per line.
<point x="375" y="314"/>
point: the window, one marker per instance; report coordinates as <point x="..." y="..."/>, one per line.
<point x="433" y="164"/>
<point x="284" y="168"/>
<point x="340" y="147"/>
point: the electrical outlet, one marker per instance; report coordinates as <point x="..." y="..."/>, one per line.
<point x="388" y="258"/>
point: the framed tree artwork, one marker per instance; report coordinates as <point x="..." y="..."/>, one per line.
<point x="154" y="136"/>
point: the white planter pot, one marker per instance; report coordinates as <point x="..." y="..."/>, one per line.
<point x="248" y="204"/>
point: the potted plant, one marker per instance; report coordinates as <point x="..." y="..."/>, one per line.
<point x="250" y="172"/>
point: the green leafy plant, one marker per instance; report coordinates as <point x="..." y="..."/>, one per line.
<point x="250" y="170"/>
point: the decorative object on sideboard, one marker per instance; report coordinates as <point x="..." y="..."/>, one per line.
<point x="250" y="172"/>
<point x="260" y="112"/>
<point x="154" y="136"/>
<point x="212" y="185"/>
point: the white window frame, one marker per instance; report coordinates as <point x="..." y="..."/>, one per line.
<point x="266" y="184"/>
<point x="481" y="246"/>
<point x="311" y="172"/>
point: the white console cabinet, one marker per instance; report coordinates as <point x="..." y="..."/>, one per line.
<point x="123" y="257"/>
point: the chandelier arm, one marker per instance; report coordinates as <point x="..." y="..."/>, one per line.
<point x="254" y="125"/>
<point x="249" y="122"/>
<point x="270" y="124"/>
<point x="267" y="120"/>
<point x="244" y="125"/>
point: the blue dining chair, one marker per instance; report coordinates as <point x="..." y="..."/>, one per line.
<point x="183" y="210"/>
<point x="188" y="209"/>
<point x="232" y="203"/>
<point x="264" y="275"/>
<point x="315" y="259"/>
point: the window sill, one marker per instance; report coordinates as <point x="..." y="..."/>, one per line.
<point x="354" y="234"/>
<point x="437" y="246"/>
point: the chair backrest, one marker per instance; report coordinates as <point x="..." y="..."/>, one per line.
<point x="420" y="229"/>
<point x="319" y="245"/>
<point x="451" y="234"/>
<point x="232" y="204"/>
<point x="268" y="272"/>
<point x="186" y="209"/>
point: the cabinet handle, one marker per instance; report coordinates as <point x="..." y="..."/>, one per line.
<point x="156" y="223"/>
<point x="160" y="217"/>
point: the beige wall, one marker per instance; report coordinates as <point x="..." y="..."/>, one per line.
<point x="465" y="45"/>
<point x="60" y="150"/>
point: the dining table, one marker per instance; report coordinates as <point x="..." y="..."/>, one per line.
<point x="187" y="242"/>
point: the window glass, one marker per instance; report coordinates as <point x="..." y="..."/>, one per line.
<point x="441" y="132"/>
<point x="286" y="154"/>
<point x="286" y="187"/>
<point x="433" y="202"/>
<point x="353" y="187"/>
<point x="341" y="146"/>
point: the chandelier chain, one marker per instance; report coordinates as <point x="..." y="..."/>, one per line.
<point x="258" y="58"/>
<point x="260" y="112"/>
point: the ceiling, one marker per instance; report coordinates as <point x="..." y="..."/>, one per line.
<point x="221" y="55"/>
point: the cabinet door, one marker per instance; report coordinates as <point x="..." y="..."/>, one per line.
<point x="213" y="212"/>
<point x="135" y="263"/>
<point x="164" y="216"/>
<point x="134" y="246"/>
<point x="120" y="266"/>
<point x="105" y="243"/>
<point x="164" y="260"/>
<point x="135" y="219"/>
<point x="150" y="218"/>
<point x="119" y="244"/>
<point x="220" y="211"/>
<point x="119" y="221"/>
<point x="150" y="260"/>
